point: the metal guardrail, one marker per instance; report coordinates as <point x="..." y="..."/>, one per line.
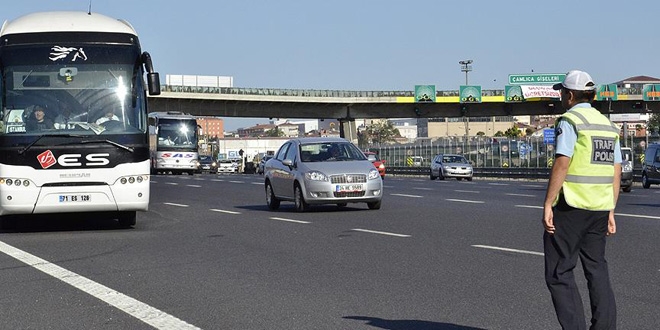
<point x="493" y="172"/>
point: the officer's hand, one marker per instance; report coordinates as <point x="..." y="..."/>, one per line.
<point x="611" y="224"/>
<point x="548" y="222"/>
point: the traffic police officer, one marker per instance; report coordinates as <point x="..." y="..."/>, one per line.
<point x="578" y="212"/>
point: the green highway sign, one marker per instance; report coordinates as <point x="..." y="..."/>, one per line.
<point x="536" y="79"/>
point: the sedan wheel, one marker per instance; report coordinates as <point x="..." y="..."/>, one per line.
<point x="299" y="200"/>
<point x="374" y="205"/>
<point x="645" y="181"/>
<point x="272" y="201"/>
<point x="431" y="176"/>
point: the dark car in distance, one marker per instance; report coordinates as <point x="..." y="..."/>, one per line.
<point x="208" y="164"/>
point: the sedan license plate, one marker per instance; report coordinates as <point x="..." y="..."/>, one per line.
<point x="74" y="198"/>
<point x="348" y="187"/>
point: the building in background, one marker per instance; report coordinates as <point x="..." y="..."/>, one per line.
<point x="211" y="127"/>
<point x="255" y="131"/>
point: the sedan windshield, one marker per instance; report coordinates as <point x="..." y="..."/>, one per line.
<point x="330" y="152"/>
<point x="454" y="159"/>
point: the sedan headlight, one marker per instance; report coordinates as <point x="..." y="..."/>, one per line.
<point x="316" y="176"/>
<point x="373" y="174"/>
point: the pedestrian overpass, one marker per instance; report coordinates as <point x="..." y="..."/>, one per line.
<point x="346" y="106"/>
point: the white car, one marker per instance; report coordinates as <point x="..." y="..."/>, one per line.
<point x="227" y="166"/>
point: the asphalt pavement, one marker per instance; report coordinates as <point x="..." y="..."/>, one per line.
<point x="209" y="254"/>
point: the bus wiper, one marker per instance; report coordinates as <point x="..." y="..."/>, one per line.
<point x="118" y="145"/>
<point x="27" y="147"/>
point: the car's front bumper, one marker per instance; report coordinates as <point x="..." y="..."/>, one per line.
<point x="457" y="173"/>
<point x="323" y="192"/>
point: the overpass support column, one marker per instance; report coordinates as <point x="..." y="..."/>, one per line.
<point x="348" y="130"/>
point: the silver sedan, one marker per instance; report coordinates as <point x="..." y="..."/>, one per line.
<point x="321" y="170"/>
<point x="450" y="166"/>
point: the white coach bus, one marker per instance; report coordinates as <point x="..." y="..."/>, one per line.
<point x="173" y="139"/>
<point x="73" y="135"/>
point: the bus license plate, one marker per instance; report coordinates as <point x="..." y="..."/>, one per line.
<point x="348" y="187"/>
<point x="74" y="198"/>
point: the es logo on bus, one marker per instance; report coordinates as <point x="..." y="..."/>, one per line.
<point x="47" y="159"/>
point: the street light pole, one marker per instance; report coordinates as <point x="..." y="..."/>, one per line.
<point x="466" y="67"/>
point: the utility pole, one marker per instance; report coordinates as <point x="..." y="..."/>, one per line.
<point x="466" y="67"/>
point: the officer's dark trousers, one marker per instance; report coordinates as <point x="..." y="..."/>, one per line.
<point x="579" y="233"/>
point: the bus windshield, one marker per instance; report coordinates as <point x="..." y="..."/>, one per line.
<point x="176" y="134"/>
<point x="63" y="89"/>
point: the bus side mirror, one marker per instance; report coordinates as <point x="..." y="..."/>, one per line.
<point x="153" y="80"/>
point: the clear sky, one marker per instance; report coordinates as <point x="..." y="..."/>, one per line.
<point x="383" y="44"/>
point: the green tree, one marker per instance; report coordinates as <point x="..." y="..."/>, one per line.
<point x="513" y="132"/>
<point x="499" y="134"/>
<point x="480" y="133"/>
<point x="381" y="132"/>
<point x="653" y="126"/>
<point x="529" y="131"/>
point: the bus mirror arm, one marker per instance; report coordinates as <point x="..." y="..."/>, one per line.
<point x="153" y="79"/>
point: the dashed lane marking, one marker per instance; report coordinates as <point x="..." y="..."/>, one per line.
<point x="464" y="201"/>
<point x="422" y="188"/>
<point x="175" y="204"/>
<point x="236" y="181"/>
<point x="193" y="185"/>
<point x="289" y="220"/>
<point x="405" y="195"/>
<point x="225" y="211"/>
<point x="530" y="206"/>
<point x="139" y="310"/>
<point x="172" y="183"/>
<point x="468" y="191"/>
<point x="508" y="250"/>
<point x="380" y="232"/>
<point x="521" y="195"/>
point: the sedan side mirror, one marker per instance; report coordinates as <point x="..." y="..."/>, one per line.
<point x="288" y="162"/>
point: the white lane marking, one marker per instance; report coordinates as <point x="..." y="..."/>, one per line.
<point x="172" y="183"/>
<point x="637" y="216"/>
<point x="380" y="232"/>
<point x="404" y="195"/>
<point x="533" y="186"/>
<point x="236" y="181"/>
<point x="498" y="184"/>
<point x="468" y="191"/>
<point x="225" y="211"/>
<point x="464" y="201"/>
<point x="508" y="250"/>
<point x="259" y="183"/>
<point x="388" y="186"/>
<point x="422" y="188"/>
<point x="139" y="310"/>
<point x="152" y="181"/>
<point x="175" y="204"/>
<point x="289" y="220"/>
<point x="193" y="185"/>
<point x="521" y="195"/>
<point x="217" y="180"/>
<point x="199" y="179"/>
<point x="530" y="206"/>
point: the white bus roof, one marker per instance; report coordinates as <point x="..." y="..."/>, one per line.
<point x="65" y="21"/>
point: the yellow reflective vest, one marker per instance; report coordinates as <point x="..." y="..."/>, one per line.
<point x="589" y="180"/>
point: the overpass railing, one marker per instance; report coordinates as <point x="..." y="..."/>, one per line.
<point x="332" y="93"/>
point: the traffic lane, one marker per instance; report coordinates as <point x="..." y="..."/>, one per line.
<point x="405" y="255"/>
<point x="293" y="241"/>
<point x="35" y="299"/>
<point x="395" y="254"/>
<point x="449" y="244"/>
